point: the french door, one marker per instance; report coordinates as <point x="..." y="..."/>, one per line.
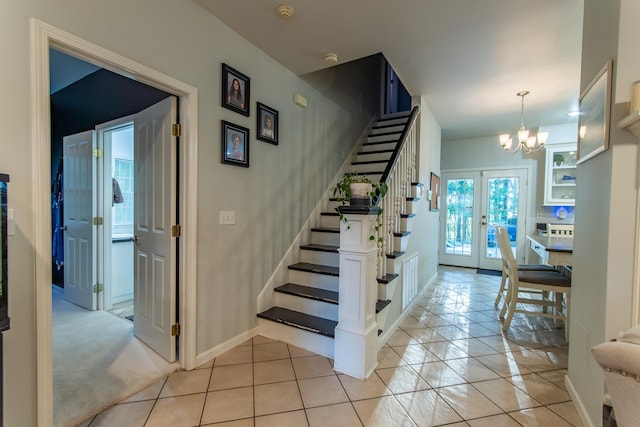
<point x="472" y="203"/>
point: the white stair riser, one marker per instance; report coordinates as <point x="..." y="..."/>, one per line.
<point x="393" y="137"/>
<point x="308" y="306"/>
<point x="394" y="265"/>
<point x="321" y="281"/>
<point x="411" y="207"/>
<point x="306" y="340"/>
<point x="406" y="224"/>
<point x="322" y="238"/>
<point x="385" y="291"/>
<point x="369" y="167"/>
<point x="329" y="221"/>
<point x="376" y="147"/>
<point x="417" y="191"/>
<point x="401" y="117"/>
<point x="381" y="317"/>
<point x="387" y="129"/>
<point x="332" y="205"/>
<point x="372" y="157"/>
<point x="400" y="243"/>
<point x="320" y="257"/>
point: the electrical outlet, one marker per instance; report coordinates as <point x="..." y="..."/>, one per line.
<point x="538" y="215"/>
<point x="227" y="217"/>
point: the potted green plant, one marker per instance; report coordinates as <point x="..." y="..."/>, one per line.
<point x="558" y="159"/>
<point x="357" y="189"/>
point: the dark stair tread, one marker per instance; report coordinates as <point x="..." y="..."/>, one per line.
<point x="401" y="233"/>
<point x="396" y="254"/>
<point x="319" y="325"/>
<point x="370" y="162"/>
<point x="364" y="153"/>
<point x="316" y="268"/>
<point x="379" y="332"/>
<point x="413" y="199"/>
<point x="326" y="230"/>
<point x="320" y="248"/>
<point x="381" y="304"/>
<point x="329" y="214"/>
<point x="387" y="278"/>
<point x="390" y="141"/>
<point x="394" y="132"/>
<point x="407" y="215"/>
<point x="308" y="292"/>
<point x="417" y="184"/>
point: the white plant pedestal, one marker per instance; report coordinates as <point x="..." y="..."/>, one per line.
<point x="356" y="335"/>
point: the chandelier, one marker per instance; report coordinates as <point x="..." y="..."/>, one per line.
<point x="528" y="143"/>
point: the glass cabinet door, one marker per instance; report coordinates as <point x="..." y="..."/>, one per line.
<point x="560" y="179"/>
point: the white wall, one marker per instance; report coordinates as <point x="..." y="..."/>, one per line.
<point x="271" y="199"/>
<point x="606" y="198"/>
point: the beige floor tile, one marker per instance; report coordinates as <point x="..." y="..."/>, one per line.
<point x="382" y="412"/>
<point x="363" y="389"/>
<point x="400" y="337"/>
<point x="130" y="414"/>
<point x="278" y="397"/>
<point x="425" y="335"/>
<point x="555" y="377"/>
<point x="540" y="389"/>
<point x="567" y="410"/>
<point x="285" y="419"/>
<point x="402" y="379"/>
<point x="340" y="415"/>
<point x="299" y="352"/>
<point x="247" y="422"/>
<point x="415" y="354"/>
<point x="206" y="365"/>
<point x="500" y="344"/>
<point x="228" y="405"/>
<point x="322" y="391"/>
<point x="535" y="360"/>
<point x="231" y="376"/>
<point x="502" y="393"/>
<point x="503" y="365"/>
<point x="502" y="420"/>
<point x="427" y="408"/>
<point x="539" y="417"/>
<point x="445" y="351"/>
<point x="438" y="374"/>
<point x="186" y="382"/>
<point x="471" y="370"/>
<point x="235" y="356"/>
<point x="273" y="371"/>
<point x="451" y="332"/>
<point x="260" y="339"/>
<point x="151" y="392"/>
<point x="180" y="411"/>
<point x="270" y="351"/>
<point x="411" y="323"/>
<point x="474" y="347"/>
<point x="388" y="358"/>
<point x="468" y="402"/>
<point x="310" y="367"/>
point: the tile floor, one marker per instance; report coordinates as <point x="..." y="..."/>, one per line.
<point x="448" y="364"/>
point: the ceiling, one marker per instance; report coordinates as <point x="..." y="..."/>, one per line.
<point x="468" y="58"/>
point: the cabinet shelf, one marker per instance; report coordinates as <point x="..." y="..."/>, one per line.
<point x="559" y="192"/>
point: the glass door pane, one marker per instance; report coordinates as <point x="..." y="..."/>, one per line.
<point x="502" y="209"/>
<point x="459" y="217"/>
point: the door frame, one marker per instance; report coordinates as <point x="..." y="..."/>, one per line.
<point x="44" y="36"/>
<point x="524" y="199"/>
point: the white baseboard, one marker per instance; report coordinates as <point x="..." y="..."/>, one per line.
<point x="580" y="408"/>
<point x="216" y="351"/>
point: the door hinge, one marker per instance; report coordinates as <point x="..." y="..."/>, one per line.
<point x="97" y="220"/>
<point x="98" y="287"/>
<point x="176" y="129"/>
<point x="97" y="153"/>
<point x="176" y="231"/>
<point x="175" y="329"/>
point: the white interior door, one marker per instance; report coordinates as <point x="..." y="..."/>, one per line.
<point x="472" y="202"/>
<point x="155" y="214"/>
<point x="79" y="186"/>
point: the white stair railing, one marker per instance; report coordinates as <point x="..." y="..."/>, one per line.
<point x="399" y="174"/>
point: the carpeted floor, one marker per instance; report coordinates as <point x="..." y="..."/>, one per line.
<point x="97" y="362"/>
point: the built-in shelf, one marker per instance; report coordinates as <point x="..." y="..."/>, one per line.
<point x="631" y="123"/>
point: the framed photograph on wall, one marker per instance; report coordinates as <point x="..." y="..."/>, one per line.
<point x="236" y="88"/>
<point x="434" y="204"/>
<point x="235" y="144"/>
<point x="595" y="110"/>
<point x="267" y="124"/>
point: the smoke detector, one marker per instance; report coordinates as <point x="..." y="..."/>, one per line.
<point x="284" y="11"/>
<point x="331" y="58"/>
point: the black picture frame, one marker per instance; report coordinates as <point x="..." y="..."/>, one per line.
<point x="265" y="117"/>
<point x="241" y="101"/>
<point x="235" y="154"/>
<point x="435" y="190"/>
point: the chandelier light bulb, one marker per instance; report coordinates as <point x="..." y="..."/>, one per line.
<point x="527" y="141"/>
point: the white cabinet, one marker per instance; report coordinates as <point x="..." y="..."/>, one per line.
<point x="560" y="178"/>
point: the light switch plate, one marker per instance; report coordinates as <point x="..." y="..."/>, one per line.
<point x="227" y="217"/>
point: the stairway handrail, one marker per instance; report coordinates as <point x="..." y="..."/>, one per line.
<point x="396" y="151"/>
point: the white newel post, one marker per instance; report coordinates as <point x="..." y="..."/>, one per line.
<point x="356" y="335"/>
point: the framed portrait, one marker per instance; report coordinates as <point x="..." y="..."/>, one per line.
<point x="595" y="109"/>
<point x="236" y="88"/>
<point x="434" y="189"/>
<point x="267" y="124"/>
<point x="235" y="144"/>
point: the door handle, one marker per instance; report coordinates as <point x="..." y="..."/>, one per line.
<point x="483" y="223"/>
<point x="64" y="228"/>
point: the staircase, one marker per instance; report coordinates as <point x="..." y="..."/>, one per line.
<point x="305" y="308"/>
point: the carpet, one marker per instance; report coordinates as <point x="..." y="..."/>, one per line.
<point x="97" y="362"/>
<point x="489" y="272"/>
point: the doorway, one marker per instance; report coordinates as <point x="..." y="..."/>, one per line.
<point x="44" y="37"/>
<point x="473" y="202"/>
